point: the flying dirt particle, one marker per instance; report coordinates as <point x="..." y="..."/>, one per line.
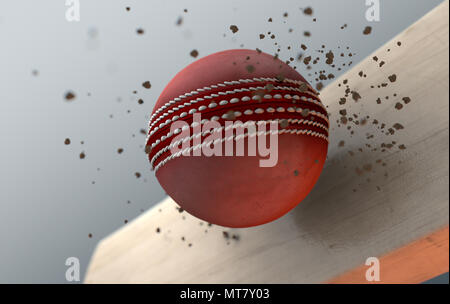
<point x="230" y="115"/>
<point x="399" y="43"/>
<point x="137" y="174"/>
<point x="146" y="84"/>
<point x="140" y="101"/>
<point x="147" y="149"/>
<point x="284" y="123"/>
<point x="179" y="21"/>
<point x="194" y="53"/>
<point x="90" y="235"/>
<point x="398" y="126"/>
<point x="185" y="10"/>
<point x="269" y="87"/>
<point x="158" y="230"/>
<point x="82" y="155"/>
<point x="140" y="31"/>
<point x="259" y="94"/>
<point x="402" y="147"/>
<point x="35" y="72"/>
<point x="125" y="221"/>
<point x="356" y="96"/>
<point x="295" y="172"/>
<point x="127" y="8"/>
<point x="342" y="101"/>
<point x="305" y="112"/>
<point x="308" y="11"/>
<point x="304" y="47"/>
<point x="234" y="29"/>
<point x="375" y="58"/>
<point x="382" y="63"/>
<point x="69" y="96"/>
<point x="67" y="141"/>
<point x="307" y="34"/>
<point x="280" y="77"/>
<point x="269" y="20"/>
<point x="142" y="131"/>
<point x="306" y="60"/>
<point x="392" y="78"/>
<point x="261" y="36"/>
<point x="406" y="100"/>
<point x="341" y="143"/>
<point x="303" y="87"/>
<point x="250" y="68"/>
<point x="367" y="30"/>
<point x="225" y="235"/>
<point x="398" y="106"/>
<point x="319" y="86"/>
<point x="120" y="150"/>
<point x="285" y="15"/>
<point x="343" y="112"/>
<point x="330" y="58"/>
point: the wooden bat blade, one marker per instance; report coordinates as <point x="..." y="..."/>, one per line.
<point x="369" y="202"/>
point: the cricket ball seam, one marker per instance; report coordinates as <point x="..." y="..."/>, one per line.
<point x="225" y="84"/>
<point x="258" y="110"/>
<point x="189" y="138"/>
<point x="176" y="131"/>
<point x="236" y="100"/>
<point x="201" y="108"/>
<point x="260" y="133"/>
<point x="238" y="90"/>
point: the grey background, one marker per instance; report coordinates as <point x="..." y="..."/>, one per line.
<point x="48" y="203"/>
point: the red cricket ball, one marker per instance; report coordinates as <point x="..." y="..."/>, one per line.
<point x="242" y="86"/>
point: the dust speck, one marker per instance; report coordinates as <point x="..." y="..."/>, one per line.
<point x="146" y="84"/>
<point x="69" y="95"/>
<point x="234" y="29"/>
<point x="194" y="53"/>
<point x="367" y="30"/>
